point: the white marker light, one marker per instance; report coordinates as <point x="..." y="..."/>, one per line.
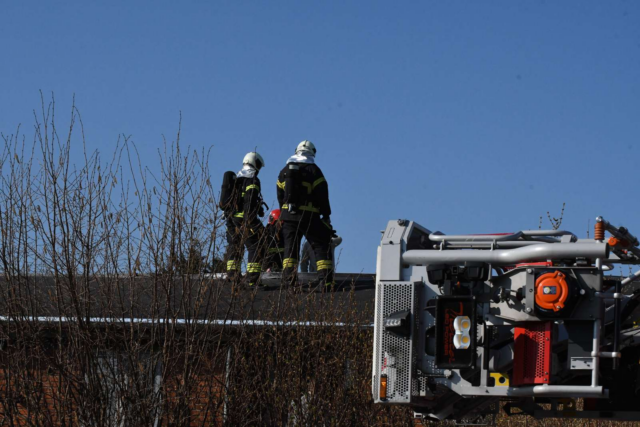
<point x="391" y="323"/>
<point x="462" y="338"/>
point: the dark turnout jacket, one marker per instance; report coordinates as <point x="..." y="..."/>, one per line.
<point x="312" y="193"/>
<point x="249" y="199"/>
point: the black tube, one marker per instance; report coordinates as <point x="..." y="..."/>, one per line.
<point x="486" y="350"/>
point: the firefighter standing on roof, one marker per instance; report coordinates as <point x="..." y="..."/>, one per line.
<point x="303" y="195"/>
<point x="244" y="228"/>
<point x="308" y="258"/>
<point x="275" y="243"/>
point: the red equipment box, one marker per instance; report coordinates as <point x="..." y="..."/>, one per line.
<point x="532" y="353"/>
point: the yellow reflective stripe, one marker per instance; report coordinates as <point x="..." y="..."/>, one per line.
<point x="309" y="208"/>
<point x="280" y="184"/>
<point x="239" y="215"/>
<point x="318" y="182"/>
<point x="232" y="265"/>
<point x="311" y="186"/>
<point x="254" y="267"/>
<point x="330" y="283"/>
<point x="289" y="262"/>
<point x="275" y="250"/>
<point x="324" y="265"/>
<point x="252" y="187"/>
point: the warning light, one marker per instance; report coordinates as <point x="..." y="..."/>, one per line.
<point x="383" y="387"/>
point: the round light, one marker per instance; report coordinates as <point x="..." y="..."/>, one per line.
<point x="461" y="341"/>
<point x="462" y="323"/>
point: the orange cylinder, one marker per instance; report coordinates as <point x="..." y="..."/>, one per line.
<point x="598" y="233"/>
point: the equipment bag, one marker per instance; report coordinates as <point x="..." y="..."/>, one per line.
<point x="228" y="194"/>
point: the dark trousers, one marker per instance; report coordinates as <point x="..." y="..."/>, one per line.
<point x="274" y="248"/>
<point x="318" y="234"/>
<point x="273" y="260"/>
<point x="239" y="237"/>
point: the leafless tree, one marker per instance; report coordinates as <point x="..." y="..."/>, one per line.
<point x="110" y="316"/>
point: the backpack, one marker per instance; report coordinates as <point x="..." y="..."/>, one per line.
<point x="228" y="195"/>
<point x="292" y="190"/>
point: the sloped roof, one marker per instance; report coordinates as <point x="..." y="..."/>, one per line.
<point x="186" y="299"/>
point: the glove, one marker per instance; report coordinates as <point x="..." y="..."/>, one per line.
<point x="327" y="221"/>
<point x="261" y="209"/>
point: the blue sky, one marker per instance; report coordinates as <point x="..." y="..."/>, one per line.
<point x="468" y="117"/>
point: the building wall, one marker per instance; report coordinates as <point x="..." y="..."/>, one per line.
<point x="38" y="397"/>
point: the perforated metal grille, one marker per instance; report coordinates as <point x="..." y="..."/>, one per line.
<point x="377" y="358"/>
<point x="418" y="384"/>
<point x="534" y="356"/>
<point x="394" y="354"/>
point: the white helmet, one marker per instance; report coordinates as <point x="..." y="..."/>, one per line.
<point x="254" y="159"/>
<point x="306" y="146"/>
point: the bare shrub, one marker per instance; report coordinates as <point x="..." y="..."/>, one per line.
<point x="110" y="316"/>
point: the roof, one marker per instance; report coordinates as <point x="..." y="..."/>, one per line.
<point x="187" y="300"/>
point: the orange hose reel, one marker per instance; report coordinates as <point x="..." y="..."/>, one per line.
<point x="551" y="291"/>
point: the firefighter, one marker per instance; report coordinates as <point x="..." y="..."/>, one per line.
<point x="274" y="242"/>
<point x="244" y="228"/>
<point x="303" y="195"/>
<point x="308" y="258"/>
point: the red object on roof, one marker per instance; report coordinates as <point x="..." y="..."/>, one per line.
<point x="274" y="216"/>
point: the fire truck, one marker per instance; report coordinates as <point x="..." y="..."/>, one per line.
<point x="533" y="322"/>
